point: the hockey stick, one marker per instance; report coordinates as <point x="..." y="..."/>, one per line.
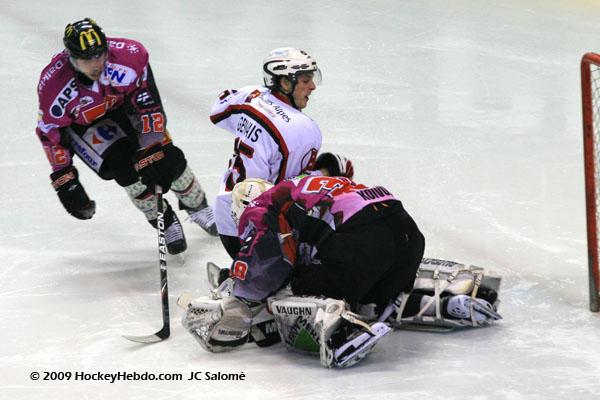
<point x="164" y="291"/>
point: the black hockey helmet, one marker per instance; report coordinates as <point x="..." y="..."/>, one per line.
<point x="85" y="39"/>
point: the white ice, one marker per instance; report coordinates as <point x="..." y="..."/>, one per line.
<point x="469" y="111"/>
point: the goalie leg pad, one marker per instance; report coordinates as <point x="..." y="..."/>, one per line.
<point x="218" y="325"/>
<point x="264" y="330"/>
<point x="324" y="326"/>
<point x="455" y="303"/>
<point x="295" y="318"/>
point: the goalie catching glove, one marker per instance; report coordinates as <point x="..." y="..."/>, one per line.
<point x="71" y="193"/>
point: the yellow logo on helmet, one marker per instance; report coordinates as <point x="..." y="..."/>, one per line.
<point x="90" y="37"/>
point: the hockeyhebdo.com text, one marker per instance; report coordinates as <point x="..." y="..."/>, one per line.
<point x="112" y="377"/>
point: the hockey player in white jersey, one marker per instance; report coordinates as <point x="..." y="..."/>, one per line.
<point x="274" y="140"/>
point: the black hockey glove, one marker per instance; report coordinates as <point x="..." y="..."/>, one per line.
<point x="335" y="165"/>
<point x="153" y="166"/>
<point x="71" y="194"/>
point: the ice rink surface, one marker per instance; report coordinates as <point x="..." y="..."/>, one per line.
<point x="468" y="111"/>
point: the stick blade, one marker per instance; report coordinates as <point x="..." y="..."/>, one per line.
<point x="159" y="336"/>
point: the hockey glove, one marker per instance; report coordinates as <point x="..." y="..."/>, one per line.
<point x="71" y="193"/>
<point x="335" y="165"/>
<point x="153" y="167"/>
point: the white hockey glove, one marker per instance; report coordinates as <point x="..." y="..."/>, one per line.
<point x="218" y="324"/>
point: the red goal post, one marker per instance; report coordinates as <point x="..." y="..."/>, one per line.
<point x="590" y="98"/>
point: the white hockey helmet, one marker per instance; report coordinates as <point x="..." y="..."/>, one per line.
<point x="244" y="192"/>
<point x="288" y="62"/>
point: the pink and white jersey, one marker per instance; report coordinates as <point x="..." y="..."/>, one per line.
<point x="332" y="200"/>
<point x="282" y="227"/>
<point x="273" y="141"/>
<point x="64" y="100"/>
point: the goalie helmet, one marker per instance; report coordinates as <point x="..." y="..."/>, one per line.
<point x="244" y="192"/>
<point x="85" y="39"/>
<point x="288" y="62"/>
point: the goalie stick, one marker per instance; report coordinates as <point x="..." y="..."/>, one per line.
<point x="165" y="331"/>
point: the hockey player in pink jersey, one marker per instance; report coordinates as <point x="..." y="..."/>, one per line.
<point x="325" y="236"/>
<point x="98" y="100"/>
<point x="274" y="139"/>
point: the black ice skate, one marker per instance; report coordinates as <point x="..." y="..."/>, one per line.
<point x="174" y="236"/>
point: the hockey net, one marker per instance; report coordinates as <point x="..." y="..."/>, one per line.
<point x="590" y="94"/>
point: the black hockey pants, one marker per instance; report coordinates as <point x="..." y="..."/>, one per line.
<point x="369" y="259"/>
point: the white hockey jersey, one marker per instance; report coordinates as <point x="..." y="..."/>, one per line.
<point x="273" y="141"/>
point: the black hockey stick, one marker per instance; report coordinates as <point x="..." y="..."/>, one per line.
<point x="164" y="291"/>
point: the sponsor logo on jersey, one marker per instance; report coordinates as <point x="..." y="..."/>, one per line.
<point x="82" y="151"/>
<point x="116" y="45"/>
<point x="117" y="75"/>
<point x="132" y="48"/>
<point x="275" y="109"/>
<point x="93" y="113"/>
<point x="85" y="100"/>
<point x="75" y="111"/>
<point x="66" y="95"/>
<point x="48" y="74"/>
<point x="308" y="161"/>
<point x="104" y="133"/>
